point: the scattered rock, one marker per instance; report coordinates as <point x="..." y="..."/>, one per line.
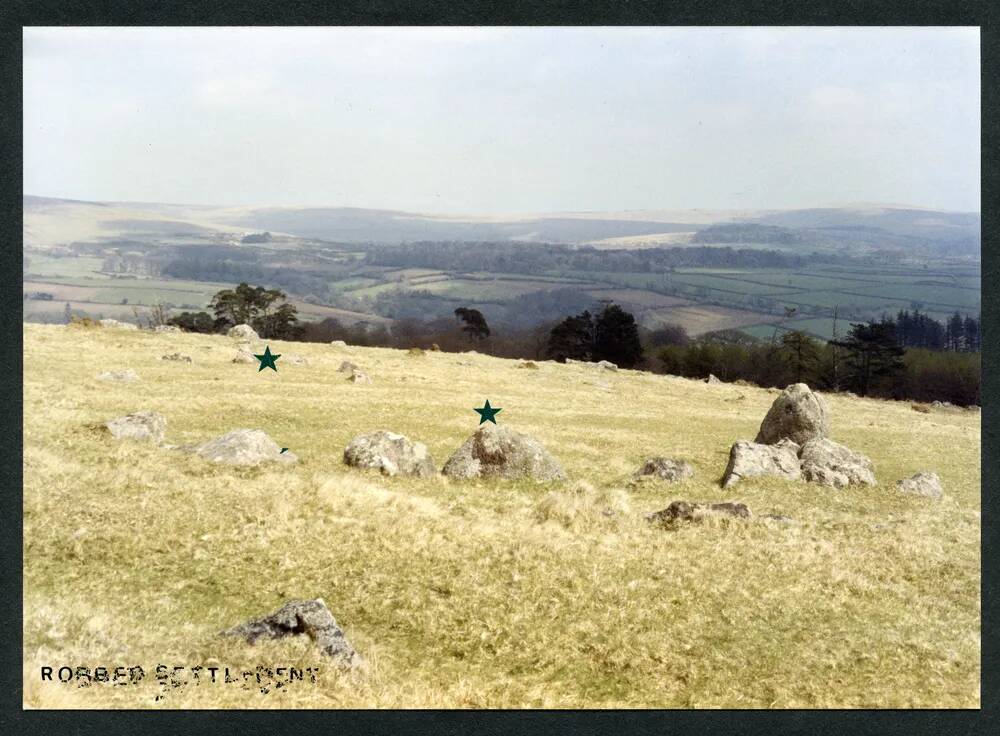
<point x="688" y="511"/>
<point x="797" y="414"/>
<point x="242" y="447"/>
<point x="712" y="379"/>
<point x="144" y="426"/>
<point x="973" y="408"/>
<point x="435" y="347"/>
<point x="167" y="328"/>
<point x="347" y="367"/>
<point x="751" y="459"/>
<point x="338" y="343"/>
<point x="831" y="464"/>
<point x="359" y="377"/>
<point x="922" y="484"/>
<point x="665" y="469"/>
<point x="606" y="365"/>
<point x="778" y="518"/>
<point x="243" y="332"/>
<point x="529" y="364"/>
<point x="244" y="356"/>
<point x="113" y="323"/>
<point x="309" y="617"/>
<point x="392" y="454"/>
<point x="178" y="357"/>
<point x="498" y="451"/>
<point x="124" y="376"/>
<point x="922" y="408"/>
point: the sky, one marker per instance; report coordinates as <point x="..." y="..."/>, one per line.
<point x="505" y="120"/>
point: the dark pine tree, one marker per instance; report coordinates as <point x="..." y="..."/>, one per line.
<point x="616" y="337"/>
<point x="874" y="355"/>
<point x="572" y="338"/>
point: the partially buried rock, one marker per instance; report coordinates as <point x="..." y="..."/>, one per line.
<point x="178" y="357"/>
<point x="144" y="426"/>
<point x="244" y="356"/>
<point x="831" y="464"/>
<point x="797" y="414"/>
<point x="359" y="377"/>
<point x="124" y="376"/>
<point x="500" y="452"/>
<point x="113" y="323"/>
<point x="166" y="328"/>
<point x="347" y="367"/>
<point x="242" y="447"/>
<point x="390" y="453"/>
<point x="338" y="343"/>
<point x="607" y="365"/>
<point x="309" y="617"/>
<point x="529" y="364"/>
<point x="688" y="511"/>
<point x="243" y="332"/>
<point x="665" y="469"/>
<point x="750" y="459"/>
<point x="712" y="379"/>
<point x="922" y="484"/>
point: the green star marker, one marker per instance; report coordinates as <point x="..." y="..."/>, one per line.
<point x="267" y="360"/>
<point x="487" y="413"/>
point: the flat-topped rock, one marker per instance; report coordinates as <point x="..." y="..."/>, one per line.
<point x="242" y="447"/>
<point x="115" y="324"/>
<point x="695" y="511"/>
<point x="142" y="426"/>
<point x="831" y="464"/>
<point x="752" y="459"/>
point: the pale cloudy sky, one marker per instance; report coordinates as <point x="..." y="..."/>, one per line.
<point x="504" y="120"/>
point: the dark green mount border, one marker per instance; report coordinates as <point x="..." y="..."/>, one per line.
<point x="14" y="14"/>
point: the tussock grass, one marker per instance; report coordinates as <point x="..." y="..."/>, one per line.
<point x="482" y="594"/>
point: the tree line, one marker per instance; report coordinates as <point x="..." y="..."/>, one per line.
<point x="891" y="358"/>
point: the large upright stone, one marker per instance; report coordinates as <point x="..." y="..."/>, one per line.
<point x="309" y="617"/>
<point x="797" y="414"/>
<point x="500" y="452"/>
<point x="390" y="453"/>
<point x="750" y="460"/>
<point x="831" y="464"/>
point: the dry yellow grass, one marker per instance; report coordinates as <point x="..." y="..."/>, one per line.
<point x="481" y="594"/>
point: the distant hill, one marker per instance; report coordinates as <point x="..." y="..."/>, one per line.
<point x="50" y="222"/>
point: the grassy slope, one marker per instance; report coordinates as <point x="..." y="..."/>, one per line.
<point x="471" y="594"/>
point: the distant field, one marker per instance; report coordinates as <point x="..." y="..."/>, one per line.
<point x="700" y="318"/>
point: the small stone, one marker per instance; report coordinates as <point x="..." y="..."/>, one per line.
<point x="390" y="453"/>
<point x="243" y="332"/>
<point x="529" y="364"/>
<point x="347" y="367"/>
<point x="115" y="324"/>
<point x="712" y="379"/>
<point x="688" y="511"/>
<point x="338" y="343"/>
<point x="242" y="447"/>
<point x="309" y="617"/>
<point x="178" y="357"/>
<point x="167" y="328"/>
<point x="922" y="484"/>
<point x="607" y="365"/>
<point x="143" y="426"/>
<point x="244" y="356"/>
<point x="123" y="376"/>
<point x="359" y="377"/>
<point x="665" y="469"/>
